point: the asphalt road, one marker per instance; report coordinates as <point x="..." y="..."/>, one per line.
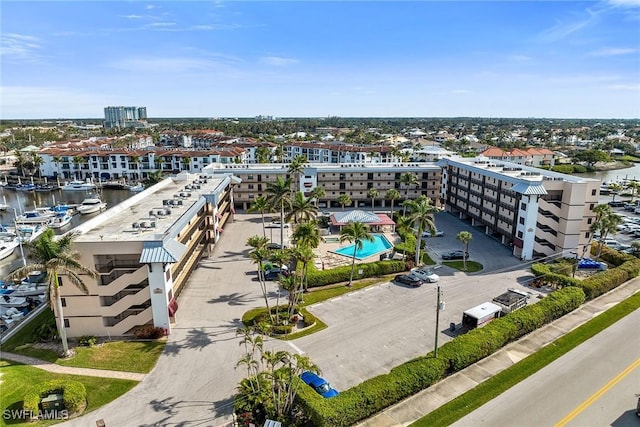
<point x="592" y="385"/>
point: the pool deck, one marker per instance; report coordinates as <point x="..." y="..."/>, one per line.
<point x="326" y="258"/>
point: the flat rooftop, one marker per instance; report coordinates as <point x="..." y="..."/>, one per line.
<point x="150" y="213"/>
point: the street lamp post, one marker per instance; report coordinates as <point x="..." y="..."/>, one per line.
<point x="439" y="306"/>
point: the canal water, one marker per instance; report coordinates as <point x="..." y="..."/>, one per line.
<point x="615" y="175"/>
<point x="20" y="202"/>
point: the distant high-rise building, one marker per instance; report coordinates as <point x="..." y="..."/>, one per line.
<point x="122" y="117"/>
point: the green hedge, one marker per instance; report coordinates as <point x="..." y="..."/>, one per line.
<point x="342" y="274"/>
<point x="75" y="395"/>
<point x="380" y="392"/>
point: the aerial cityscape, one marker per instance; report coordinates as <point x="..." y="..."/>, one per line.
<point x="320" y="213"/>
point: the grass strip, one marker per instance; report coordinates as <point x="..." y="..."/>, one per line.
<point x="472" y="266"/>
<point x="498" y="384"/>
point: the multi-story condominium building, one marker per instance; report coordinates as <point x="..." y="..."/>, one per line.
<point x="122" y="117"/>
<point x="522" y="156"/>
<point x="333" y="152"/>
<point x="108" y="163"/>
<point x="351" y="179"/>
<point x="144" y="250"/>
<point x="537" y="212"/>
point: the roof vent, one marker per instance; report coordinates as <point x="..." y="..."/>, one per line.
<point x="135" y="225"/>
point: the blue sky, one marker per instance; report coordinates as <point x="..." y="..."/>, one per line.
<point x="564" y="59"/>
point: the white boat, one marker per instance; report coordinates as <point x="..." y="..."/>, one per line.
<point x="11" y="301"/>
<point x="91" y="205"/>
<point x="37" y="216"/>
<point x="29" y="233"/>
<point x="8" y="247"/>
<point x="29" y="290"/>
<point x="78" y="186"/>
<point x="137" y="188"/>
<point x="61" y="219"/>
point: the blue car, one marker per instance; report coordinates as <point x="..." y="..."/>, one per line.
<point x="320" y="385"/>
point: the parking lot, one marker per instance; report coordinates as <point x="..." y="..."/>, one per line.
<point x="372" y="330"/>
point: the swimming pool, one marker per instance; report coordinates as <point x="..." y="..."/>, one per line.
<point x="379" y="244"/>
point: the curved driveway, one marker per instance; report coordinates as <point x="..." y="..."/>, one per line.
<point x="369" y="331"/>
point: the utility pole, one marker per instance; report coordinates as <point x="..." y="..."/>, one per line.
<point x="439" y="306"/>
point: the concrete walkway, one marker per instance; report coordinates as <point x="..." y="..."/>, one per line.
<point x="70" y="370"/>
<point x="421" y="404"/>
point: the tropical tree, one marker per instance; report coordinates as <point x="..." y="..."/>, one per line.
<point x="262" y="154"/>
<point x="614" y="188"/>
<point x="464" y="237"/>
<point x="317" y="193"/>
<point x="421" y="215"/>
<point x="278" y="197"/>
<point x="408" y="180"/>
<point x="57" y="160"/>
<point x="307" y="234"/>
<point x="261" y="204"/>
<point x="57" y="258"/>
<point x="606" y="222"/>
<point x="20" y="162"/>
<point x="393" y="195"/>
<point x="186" y="163"/>
<point x="356" y="233"/>
<point x="37" y="162"/>
<point x="302" y="209"/>
<point x="259" y="255"/>
<point x="77" y="161"/>
<point x="372" y="193"/>
<point x="305" y="256"/>
<point x="296" y="167"/>
<point x="633" y="186"/>
<point x="635" y="247"/>
<point x="135" y="159"/>
<point x="344" y="200"/>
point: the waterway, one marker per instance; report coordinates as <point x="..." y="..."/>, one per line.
<point x="614" y="175"/>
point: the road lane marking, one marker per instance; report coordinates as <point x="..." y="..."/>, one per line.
<point x="584" y="405"/>
<point x="295" y="347"/>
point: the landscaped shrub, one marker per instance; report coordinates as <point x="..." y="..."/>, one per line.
<point x="148" y="332"/>
<point x="87" y="340"/>
<point x="308" y="318"/>
<point x="342" y="274"/>
<point x="74" y="395"/>
<point x="281" y="329"/>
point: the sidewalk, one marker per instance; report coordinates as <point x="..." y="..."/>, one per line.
<point x="421" y="404"/>
<point x="59" y="369"/>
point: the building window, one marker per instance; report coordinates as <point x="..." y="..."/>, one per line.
<point x="521" y="220"/>
<point x="64" y="302"/>
<point x="250" y="186"/>
<point x="589" y="221"/>
<point x="519" y="234"/>
<point x="66" y="323"/>
<point x="523" y="206"/>
<point x="249" y="176"/>
<point x="586" y="235"/>
<point x="593" y="192"/>
<point x="591" y="206"/>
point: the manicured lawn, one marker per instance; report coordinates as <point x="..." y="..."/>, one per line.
<point x="131" y="356"/>
<point x="496" y="385"/>
<point x="472" y="266"/>
<point x="17" y="380"/>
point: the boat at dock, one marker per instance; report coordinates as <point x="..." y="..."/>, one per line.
<point x="91" y="205"/>
<point x="61" y="219"/>
<point x="78" y="186"/>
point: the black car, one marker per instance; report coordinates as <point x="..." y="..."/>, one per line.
<point x="455" y="255"/>
<point x="274" y="246"/>
<point x="409" y="279"/>
<point x="274" y="273"/>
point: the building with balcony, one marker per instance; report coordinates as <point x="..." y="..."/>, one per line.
<point x="352" y="179"/>
<point x="537" y="212"/>
<point x="144" y="250"/>
<point x="123" y="117"/>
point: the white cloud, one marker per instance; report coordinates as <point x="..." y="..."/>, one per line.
<point x="132" y="16"/>
<point x="162" y="24"/>
<point x="633" y="87"/>
<point x="624" y="3"/>
<point x="564" y="29"/>
<point x="460" y="91"/>
<point x="20" y="46"/>
<point x="278" y="61"/>
<point x="149" y="7"/>
<point x="614" y="51"/>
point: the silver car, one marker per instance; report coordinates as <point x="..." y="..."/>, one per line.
<point x="425" y="274"/>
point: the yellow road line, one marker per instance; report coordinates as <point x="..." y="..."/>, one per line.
<point x="584" y="405"/>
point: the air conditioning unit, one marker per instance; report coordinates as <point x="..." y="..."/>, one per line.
<point x="135" y="225"/>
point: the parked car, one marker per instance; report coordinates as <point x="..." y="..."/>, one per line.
<point x="409" y="279"/>
<point x="274" y="273"/>
<point x="438" y="233"/>
<point x="276" y="224"/>
<point x="275" y="246"/>
<point x="319" y="384"/>
<point x="425" y="274"/>
<point x="455" y="255"/>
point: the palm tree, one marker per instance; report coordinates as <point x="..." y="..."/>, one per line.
<point x="297" y="167"/>
<point x="372" y="194"/>
<point x="135" y="159"/>
<point x="278" y="197"/>
<point x="37" y="162"/>
<point x="421" y="215"/>
<point x="317" y="193"/>
<point x="259" y="255"/>
<point x="633" y="185"/>
<point x="262" y="154"/>
<point x="356" y="233"/>
<point x="408" y="179"/>
<point x="393" y="195"/>
<point x="307" y="234"/>
<point x="614" y="188"/>
<point x="464" y="237"/>
<point x="344" y="200"/>
<point x="77" y="161"/>
<point x="57" y="160"/>
<point x="606" y="222"/>
<point x="56" y="258"/>
<point x="302" y="209"/>
<point x="186" y="162"/>
<point x="261" y="204"/>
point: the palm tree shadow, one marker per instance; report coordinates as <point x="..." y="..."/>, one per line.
<point x="233" y="299"/>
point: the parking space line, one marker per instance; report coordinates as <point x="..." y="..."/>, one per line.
<point x="295" y="347"/>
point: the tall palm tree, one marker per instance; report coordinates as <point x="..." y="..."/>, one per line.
<point x="421" y="215"/>
<point x="614" y="188"/>
<point x="344" y="200"/>
<point x="57" y="258"/>
<point x="393" y="195"/>
<point x="356" y="233"/>
<point x="302" y="209"/>
<point x="408" y="179"/>
<point x="606" y="222"/>
<point x="261" y="204"/>
<point x="278" y="197"/>
<point x="307" y="234"/>
<point x="372" y="193"/>
<point x="135" y="159"/>
<point x="633" y="186"/>
<point x="259" y="255"/>
<point x="77" y="161"/>
<point x="57" y="160"/>
<point x="262" y="154"/>
<point x="296" y="167"/>
<point x="37" y="162"/>
<point x="317" y="193"/>
<point x="186" y="163"/>
<point x="464" y="237"/>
